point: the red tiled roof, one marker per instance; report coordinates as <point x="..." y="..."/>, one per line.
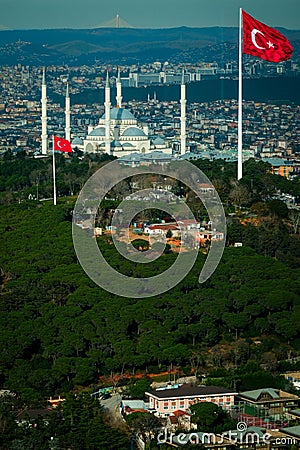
<point x="206" y="185"/>
<point x="173" y="419"/>
<point x="180" y="413"/>
<point x="163" y="227"/>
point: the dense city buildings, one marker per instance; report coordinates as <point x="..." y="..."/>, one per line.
<point x="270" y="131"/>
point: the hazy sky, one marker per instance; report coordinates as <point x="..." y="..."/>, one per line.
<point x="17" y="14"/>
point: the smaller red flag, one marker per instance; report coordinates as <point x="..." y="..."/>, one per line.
<point x="265" y="42"/>
<point x="62" y="145"/>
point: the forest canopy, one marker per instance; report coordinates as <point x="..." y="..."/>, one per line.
<point x="59" y="330"/>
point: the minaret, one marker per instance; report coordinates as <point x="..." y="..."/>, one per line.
<point x="44" y="136"/>
<point x="182" y="117"/>
<point x="107" y="105"/>
<point x="119" y="91"/>
<point x="68" y="115"/>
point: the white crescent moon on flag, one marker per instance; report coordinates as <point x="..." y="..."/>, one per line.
<point x="58" y="144"/>
<point x="253" y="34"/>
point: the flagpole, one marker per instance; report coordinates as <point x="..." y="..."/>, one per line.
<point x="240" y="105"/>
<point x="54" y="179"/>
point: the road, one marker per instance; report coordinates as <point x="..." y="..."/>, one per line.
<point x="112" y="406"/>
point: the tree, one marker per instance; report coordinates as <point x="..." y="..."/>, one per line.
<point x="278" y="209"/>
<point x="210" y="418"/>
<point x="138" y="389"/>
<point x="140" y="244"/>
<point x="35" y="177"/>
<point x="169" y="234"/>
<point x="259" y="208"/>
<point x="8" y="425"/>
<point x="235" y="321"/>
<point x="239" y="195"/>
<point x="196" y="361"/>
<point x="294" y="216"/>
<point x="78" y="423"/>
<point x="145" y="424"/>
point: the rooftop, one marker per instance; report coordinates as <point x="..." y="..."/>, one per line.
<point x="277" y="162"/>
<point x="187" y="390"/>
<point x="255" y="394"/>
<point x="267" y="394"/>
<point x="293" y="431"/>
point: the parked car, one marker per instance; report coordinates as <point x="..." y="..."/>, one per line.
<point x="105" y="396"/>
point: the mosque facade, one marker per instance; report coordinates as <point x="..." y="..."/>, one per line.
<point x="118" y="132"/>
<point x="126" y="135"/>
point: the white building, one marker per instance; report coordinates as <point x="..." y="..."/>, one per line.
<point x="126" y="135"/>
<point x="119" y="132"/>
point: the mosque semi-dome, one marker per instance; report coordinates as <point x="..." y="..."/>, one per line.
<point x="99" y="131"/>
<point x="134" y="131"/>
<point x="77" y="141"/>
<point x="127" y="144"/>
<point x="158" y="141"/>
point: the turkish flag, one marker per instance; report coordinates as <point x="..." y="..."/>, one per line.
<point x="264" y="42"/>
<point x="63" y="145"/>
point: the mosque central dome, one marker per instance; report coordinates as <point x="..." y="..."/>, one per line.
<point x="120" y="114"/>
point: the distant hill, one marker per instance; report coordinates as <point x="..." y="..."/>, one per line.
<point x="55" y="46"/>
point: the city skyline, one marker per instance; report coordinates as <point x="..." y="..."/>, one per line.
<point x="191" y="13"/>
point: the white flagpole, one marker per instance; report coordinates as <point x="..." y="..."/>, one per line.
<point x="54" y="179"/>
<point x="240" y="105"/>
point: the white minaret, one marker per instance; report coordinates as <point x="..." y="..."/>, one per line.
<point x="119" y="91"/>
<point x="107" y="105"/>
<point x="182" y="116"/>
<point x="44" y="136"/>
<point x="68" y="115"/>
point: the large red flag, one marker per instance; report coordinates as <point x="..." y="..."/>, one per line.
<point x="264" y="42"/>
<point x="63" y="145"/>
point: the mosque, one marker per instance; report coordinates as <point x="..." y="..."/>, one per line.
<point x="118" y="133"/>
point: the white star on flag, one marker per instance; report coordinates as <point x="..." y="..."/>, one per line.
<point x="263" y="41"/>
